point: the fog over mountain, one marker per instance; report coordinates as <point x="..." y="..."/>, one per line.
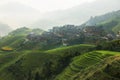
<point x="18" y="14"/>
<point x="78" y="14"/>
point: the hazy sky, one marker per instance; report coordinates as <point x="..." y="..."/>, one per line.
<point x="48" y="13"/>
<point x="48" y="5"/>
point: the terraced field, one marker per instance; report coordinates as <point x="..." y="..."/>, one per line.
<point x="78" y="62"/>
<point x="47" y="63"/>
<point x="85" y="61"/>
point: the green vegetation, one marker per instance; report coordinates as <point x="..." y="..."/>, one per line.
<point x="111" y="45"/>
<point x="82" y="63"/>
<point x="47" y="64"/>
<point x="63" y="53"/>
<point x="17" y="38"/>
<point x="110" y="22"/>
<point x="65" y="63"/>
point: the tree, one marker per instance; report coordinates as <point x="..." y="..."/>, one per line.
<point x="37" y="77"/>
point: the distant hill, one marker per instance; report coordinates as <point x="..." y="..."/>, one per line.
<point x="25" y="31"/>
<point x="109" y="21"/>
<point x="97" y="29"/>
<point x="17" y="37"/>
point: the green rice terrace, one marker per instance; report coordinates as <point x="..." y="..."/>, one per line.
<point x="78" y="62"/>
<point x="84" y="66"/>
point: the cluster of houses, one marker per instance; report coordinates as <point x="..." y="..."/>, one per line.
<point x="66" y="33"/>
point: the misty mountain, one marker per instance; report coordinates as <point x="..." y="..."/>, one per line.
<point x="4" y="29"/>
<point x="98" y="28"/>
<point x="109" y="21"/>
<point x="17" y="14"/>
<point x="100" y="19"/>
<point x="78" y="14"/>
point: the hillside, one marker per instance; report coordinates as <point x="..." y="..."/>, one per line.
<point x="84" y="67"/>
<point x="37" y="64"/>
<point x="22" y="55"/>
<point x="109" y="21"/>
<point x="77" y="62"/>
<point x="111" y="45"/>
<point x="96" y="30"/>
<point x="17" y="37"/>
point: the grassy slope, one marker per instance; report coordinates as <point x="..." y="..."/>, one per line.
<point x="78" y="69"/>
<point x="17" y="37"/>
<point x="46" y="64"/>
<point x="66" y="63"/>
<point x="12" y="41"/>
<point x="112" y="24"/>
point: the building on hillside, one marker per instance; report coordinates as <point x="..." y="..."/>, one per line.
<point x="64" y="42"/>
<point x="118" y="35"/>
